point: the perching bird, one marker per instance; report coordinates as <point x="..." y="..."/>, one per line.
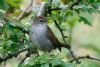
<point x="42" y="36"/>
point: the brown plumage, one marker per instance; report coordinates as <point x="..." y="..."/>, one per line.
<point x="42" y="36"/>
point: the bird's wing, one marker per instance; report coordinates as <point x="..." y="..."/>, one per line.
<point x="53" y="38"/>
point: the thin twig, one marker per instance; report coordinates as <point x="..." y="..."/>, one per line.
<point x="63" y="36"/>
<point x="27" y="10"/>
<point x="85" y="57"/>
<point x="71" y="52"/>
<point x="22" y="61"/>
<point x="13" y="54"/>
<point x="73" y="4"/>
<point x="28" y="54"/>
<point x="61" y="31"/>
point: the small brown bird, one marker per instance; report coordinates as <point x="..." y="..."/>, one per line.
<point x="41" y="35"/>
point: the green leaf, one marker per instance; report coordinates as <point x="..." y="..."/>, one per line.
<point x="3" y="5"/>
<point x="44" y="58"/>
<point x="13" y="37"/>
<point x="1" y="16"/>
<point x="14" y="3"/>
<point x="56" y="62"/>
<point x="67" y="64"/>
<point x="91" y="1"/>
<point x="96" y="4"/>
<point x="45" y="0"/>
<point x="1" y="30"/>
<point x="86" y="18"/>
<point x="1" y="25"/>
<point x="87" y="63"/>
<point x="73" y="19"/>
<point x="45" y="65"/>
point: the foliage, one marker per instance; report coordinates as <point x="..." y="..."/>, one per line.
<point x="13" y="39"/>
<point x="47" y="61"/>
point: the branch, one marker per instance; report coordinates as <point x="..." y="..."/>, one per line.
<point x="27" y="55"/>
<point x="75" y="3"/>
<point x="61" y="31"/>
<point x="13" y="55"/>
<point x="85" y="57"/>
<point x="22" y="61"/>
<point x="71" y="52"/>
<point x="63" y="36"/>
<point x="26" y="11"/>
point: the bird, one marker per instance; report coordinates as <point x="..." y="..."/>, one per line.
<point x="41" y="35"/>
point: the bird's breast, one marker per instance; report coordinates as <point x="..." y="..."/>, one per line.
<point x="38" y="37"/>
